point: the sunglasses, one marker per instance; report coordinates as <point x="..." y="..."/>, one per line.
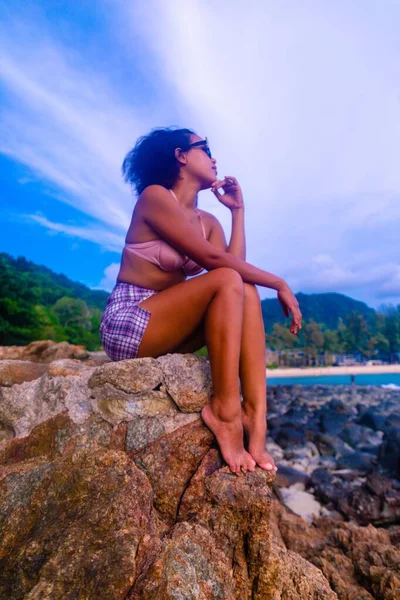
<point x="203" y="145"/>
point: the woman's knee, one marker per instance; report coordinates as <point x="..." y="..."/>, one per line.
<point x="227" y="278"/>
<point x="251" y="293"/>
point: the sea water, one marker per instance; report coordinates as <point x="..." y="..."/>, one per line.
<point x="385" y="380"/>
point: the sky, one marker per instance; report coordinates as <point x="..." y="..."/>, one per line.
<point x="299" y="100"/>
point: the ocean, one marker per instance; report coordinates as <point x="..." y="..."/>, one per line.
<point x="389" y="380"/>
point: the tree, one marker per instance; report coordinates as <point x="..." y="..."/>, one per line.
<point x="72" y="312"/>
<point x="313" y="339"/>
<point x="356" y="333"/>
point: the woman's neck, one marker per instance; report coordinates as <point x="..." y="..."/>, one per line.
<point x="186" y="194"/>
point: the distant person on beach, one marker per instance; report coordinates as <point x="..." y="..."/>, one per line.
<point x="154" y="309"/>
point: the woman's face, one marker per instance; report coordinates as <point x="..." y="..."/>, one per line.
<point x="199" y="163"/>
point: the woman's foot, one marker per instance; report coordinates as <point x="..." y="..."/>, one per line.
<point x="255" y="426"/>
<point x="230" y="439"/>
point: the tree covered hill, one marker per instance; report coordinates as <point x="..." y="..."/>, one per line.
<point x="36" y="303"/>
<point x="325" y="309"/>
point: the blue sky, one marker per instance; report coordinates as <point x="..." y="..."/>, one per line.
<point x="300" y="101"/>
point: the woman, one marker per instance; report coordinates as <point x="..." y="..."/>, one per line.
<point x="154" y="309"/>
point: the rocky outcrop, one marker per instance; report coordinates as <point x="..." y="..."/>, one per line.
<point x="43" y="351"/>
<point x="112" y="487"/>
<point x="358" y="562"/>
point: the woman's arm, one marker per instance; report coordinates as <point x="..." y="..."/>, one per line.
<point x="170" y="222"/>
<point x="237" y="244"/>
<point x="233" y="199"/>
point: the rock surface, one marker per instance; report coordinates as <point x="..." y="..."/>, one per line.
<point x="112" y="487"/>
<point x="18" y="371"/>
<point x="43" y="351"/>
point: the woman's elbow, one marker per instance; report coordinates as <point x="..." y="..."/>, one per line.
<point x="215" y="260"/>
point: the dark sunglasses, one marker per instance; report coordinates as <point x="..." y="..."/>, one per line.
<point x="203" y="144"/>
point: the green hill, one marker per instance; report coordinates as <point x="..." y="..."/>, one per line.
<point x="36" y="303"/>
<point x="325" y="309"/>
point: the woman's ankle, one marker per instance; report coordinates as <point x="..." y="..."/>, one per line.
<point x="253" y="412"/>
<point x="227" y="414"/>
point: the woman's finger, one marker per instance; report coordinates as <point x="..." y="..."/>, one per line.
<point x="215" y="188"/>
<point x="231" y="180"/>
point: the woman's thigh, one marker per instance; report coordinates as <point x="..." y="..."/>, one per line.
<point x="177" y="313"/>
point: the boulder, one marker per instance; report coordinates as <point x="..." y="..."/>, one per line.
<point x="18" y="371"/>
<point x="81" y="525"/>
<point x="187" y="379"/>
<point x="301" y="503"/>
<point x="389" y="452"/>
<point x="43" y="351"/>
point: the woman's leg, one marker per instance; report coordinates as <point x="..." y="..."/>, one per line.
<point x="252" y="374"/>
<point x="253" y="378"/>
<point x="176" y="313"/>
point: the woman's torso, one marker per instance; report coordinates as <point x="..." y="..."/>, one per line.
<point x="139" y="271"/>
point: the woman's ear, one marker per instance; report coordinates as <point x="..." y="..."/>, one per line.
<point x="180" y="156"/>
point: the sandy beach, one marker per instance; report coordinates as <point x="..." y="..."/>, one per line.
<point x="317" y="371"/>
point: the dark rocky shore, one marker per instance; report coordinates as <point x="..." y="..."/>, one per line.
<point x="339" y="445"/>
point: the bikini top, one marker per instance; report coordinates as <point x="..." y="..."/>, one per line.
<point x="163" y="255"/>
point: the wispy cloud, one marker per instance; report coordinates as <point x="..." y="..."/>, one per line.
<point x="63" y="119"/>
<point x="299" y="100"/>
<point x="106" y="239"/>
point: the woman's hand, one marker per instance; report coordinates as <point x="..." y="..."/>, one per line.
<point x="290" y="306"/>
<point x="232" y="197"/>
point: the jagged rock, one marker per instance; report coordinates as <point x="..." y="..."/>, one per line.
<point x="287" y="476"/>
<point x="53" y="437"/>
<point x="389" y="454"/>
<point x="115" y="405"/>
<point x="362" y="438"/>
<point x="18" y="371"/>
<point x="357" y="461"/>
<point x="80" y="526"/>
<point x="171" y="461"/>
<point x="130" y="376"/>
<point x="43" y="351"/>
<point x="190" y="566"/>
<point x="296" y="578"/>
<point x="236" y="511"/>
<point x="188" y="380"/>
<point x="24" y="406"/>
<point x="67" y="367"/>
<point x="143" y="430"/>
<point x="358" y="562"/>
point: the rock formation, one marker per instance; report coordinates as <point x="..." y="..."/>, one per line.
<point x="111" y="487"/>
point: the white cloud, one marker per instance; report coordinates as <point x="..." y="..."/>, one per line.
<point x="324" y="274"/>
<point x="104" y="238"/>
<point x="110" y="277"/>
<point x="299" y="101"/>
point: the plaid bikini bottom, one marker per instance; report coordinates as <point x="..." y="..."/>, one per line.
<point x="124" y="322"/>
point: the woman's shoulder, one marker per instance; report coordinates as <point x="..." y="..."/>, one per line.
<point x="153" y="190"/>
<point x="208" y="217"/>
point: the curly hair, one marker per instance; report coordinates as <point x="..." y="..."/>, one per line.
<point x="152" y="160"/>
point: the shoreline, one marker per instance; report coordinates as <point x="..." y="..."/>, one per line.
<point x="318" y="371"/>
